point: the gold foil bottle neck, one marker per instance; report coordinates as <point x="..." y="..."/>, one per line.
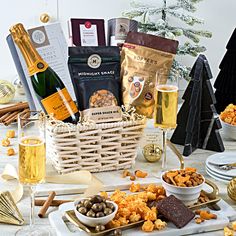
<point x="34" y="61"/>
<point x="18" y="32"/>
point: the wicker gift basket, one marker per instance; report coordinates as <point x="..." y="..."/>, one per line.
<point x="94" y="147"/>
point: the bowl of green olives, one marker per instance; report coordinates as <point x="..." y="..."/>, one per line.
<point x="95" y="210"/>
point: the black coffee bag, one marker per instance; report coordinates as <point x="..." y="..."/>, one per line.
<point x="95" y="74"/>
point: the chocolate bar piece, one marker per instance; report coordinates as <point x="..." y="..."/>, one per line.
<point x="175" y="211"/>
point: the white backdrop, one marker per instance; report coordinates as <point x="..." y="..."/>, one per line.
<point x="219" y="18"/>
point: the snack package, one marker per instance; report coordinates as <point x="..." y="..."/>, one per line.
<point x="95" y="74"/>
<point x="143" y="56"/>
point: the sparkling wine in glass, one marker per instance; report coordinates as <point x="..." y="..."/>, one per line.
<point x="166" y="105"/>
<point x="32" y="161"/>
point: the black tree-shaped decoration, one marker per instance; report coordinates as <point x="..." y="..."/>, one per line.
<point x="197" y="122"/>
<point x="225" y="83"/>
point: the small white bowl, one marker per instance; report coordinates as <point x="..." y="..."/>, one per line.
<point x="228" y="130"/>
<point x="92" y="222"/>
<point x="188" y="195"/>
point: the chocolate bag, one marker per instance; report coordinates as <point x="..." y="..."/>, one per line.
<point x="142" y="56"/>
<point x="95" y="74"/>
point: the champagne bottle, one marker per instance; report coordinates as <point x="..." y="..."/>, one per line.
<point x="48" y="87"/>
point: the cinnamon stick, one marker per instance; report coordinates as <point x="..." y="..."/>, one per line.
<point x="5" y="116"/>
<point x="56" y="203"/>
<point x="18" y="106"/>
<point x="11" y="118"/>
<point x="46" y="205"/>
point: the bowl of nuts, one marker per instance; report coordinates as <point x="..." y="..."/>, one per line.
<point x="185" y="184"/>
<point x="228" y="121"/>
<point x="95" y="211"/>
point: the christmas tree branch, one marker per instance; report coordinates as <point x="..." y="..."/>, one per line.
<point x="189" y="49"/>
<point x="187" y="5"/>
<point x="190" y="20"/>
<point x="182" y="70"/>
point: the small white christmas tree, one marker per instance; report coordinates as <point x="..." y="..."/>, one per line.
<point x="157" y="20"/>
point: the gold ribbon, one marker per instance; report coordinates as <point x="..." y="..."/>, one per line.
<point x="78" y="177"/>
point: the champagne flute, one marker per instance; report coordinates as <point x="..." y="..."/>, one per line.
<point x="166" y="105"/>
<point x="32" y="160"/>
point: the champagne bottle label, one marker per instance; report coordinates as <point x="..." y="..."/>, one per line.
<point x="59" y="104"/>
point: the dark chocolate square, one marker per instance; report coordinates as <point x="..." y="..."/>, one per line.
<point x="175" y="211"/>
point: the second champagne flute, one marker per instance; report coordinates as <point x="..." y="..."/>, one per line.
<point x="166" y="105"/>
<point x="32" y="161"/>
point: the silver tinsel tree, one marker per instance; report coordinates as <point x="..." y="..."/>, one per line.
<point x="157" y="20"/>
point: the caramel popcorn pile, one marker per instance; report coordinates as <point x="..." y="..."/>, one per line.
<point x="183" y="178"/>
<point x="133" y="208"/>
<point x="229" y="114"/>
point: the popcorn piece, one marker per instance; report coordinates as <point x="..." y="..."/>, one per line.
<point x="134" y="188"/>
<point x="233" y="224"/>
<point x="10" y="134"/>
<point x="206" y="215"/>
<point x="140" y="174"/>
<point x="134" y="217"/>
<point x="150" y="215"/>
<point x="228" y="232"/>
<point x="104" y="194"/>
<point x="10" y="152"/>
<point x="199" y="220"/>
<point x="113" y="224"/>
<point x="148" y="226"/>
<point x="159" y="224"/>
<point x="6" y="142"/>
<point x="151" y="196"/>
<point x="123" y="221"/>
<point x="125" y="173"/>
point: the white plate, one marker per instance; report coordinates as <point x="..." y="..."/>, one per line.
<point x="222" y="158"/>
<point x="218" y="175"/>
<point x="216" y="178"/>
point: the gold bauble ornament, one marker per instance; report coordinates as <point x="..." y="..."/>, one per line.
<point x="7" y="91"/>
<point x="152" y="152"/>
<point x="45" y="18"/>
<point x="231" y="189"/>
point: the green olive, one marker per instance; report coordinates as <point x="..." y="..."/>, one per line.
<point x="79" y="205"/>
<point x="82" y="202"/>
<point x="88" y="204"/>
<point x="107" y="211"/>
<point x="110" y="205"/>
<point x="103" y="204"/>
<point x="99" y="228"/>
<point x="82" y="210"/>
<point x="97" y="199"/>
<point x="96" y="207"/>
<point x="100" y="214"/>
<point x="117" y="232"/>
<point x="90" y="213"/>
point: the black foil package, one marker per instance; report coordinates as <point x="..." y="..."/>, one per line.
<point x="95" y="74"/>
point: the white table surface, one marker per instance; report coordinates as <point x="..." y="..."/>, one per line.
<point x="197" y="159"/>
